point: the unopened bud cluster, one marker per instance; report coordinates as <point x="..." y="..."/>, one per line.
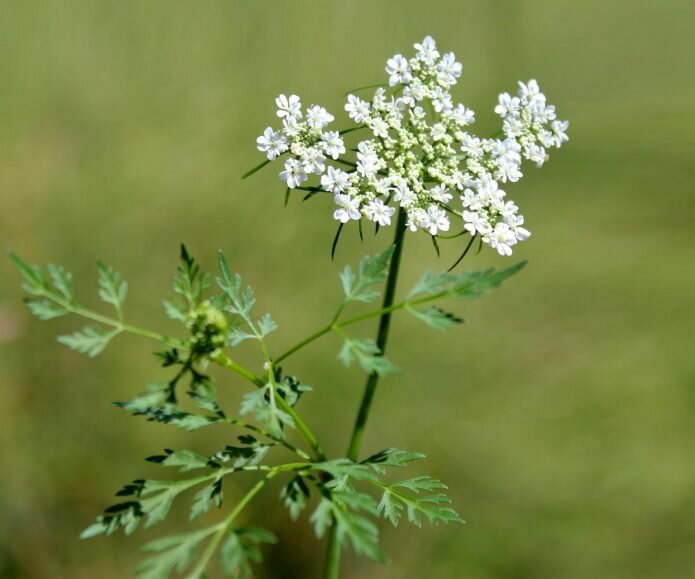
<point x="421" y="155"/>
<point x="209" y="329"/>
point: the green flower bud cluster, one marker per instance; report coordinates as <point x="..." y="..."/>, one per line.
<point x="209" y="329"/>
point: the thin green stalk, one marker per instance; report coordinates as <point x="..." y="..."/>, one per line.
<point x="223" y="360"/>
<point x="223" y="527"/>
<point x="256" y="429"/>
<point x="116" y="324"/>
<point x="332" y="568"/>
<point x="381" y="340"/>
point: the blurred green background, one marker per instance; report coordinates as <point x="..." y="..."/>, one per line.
<point x="562" y="415"/>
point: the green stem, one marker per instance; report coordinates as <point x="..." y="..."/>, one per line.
<point x="381" y="340"/>
<point x="223" y="360"/>
<point x="117" y="324"/>
<point x="223" y="527"/>
<point x="254" y="428"/>
<point x="332" y="568"/>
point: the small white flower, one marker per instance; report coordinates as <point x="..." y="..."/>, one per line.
<point x="378" y="212"/>
<point x="448" y="70"/>
<point x="404" y="195"/>
<point x="438" y="220"/>
<point x="333" y="144"/>
<point x="427" y="51"/>
<point x="501" y="239"/>
<point x="314" y="160"/>
<point x="515" y="226"/>
<point x="289" y="107"/>
<point x="471" y="201"/>
<point x="357" y="109"/>
<point x="476" y="222"/>
<point x="291" y="127"/>
<point x="368" y="163"/>
<point x="559" y="129"/>
<point x="379" y="127"/>
<point x="441" y="100"/>
<point x="438" y="131"/>
<point x="463" y="116"/>
<point x="335" y="180"/>
<point x="417" y="219"/>
<point x="528" y="90"/>
<point x="440" y="193"/>
<point x="348" y="208"/>
<point x="398" y="70"/>
<point x="272" y="143"/>
<point x="294" y="174"/>
<point x="508" y="105"/>
<point x="317" y="117"/>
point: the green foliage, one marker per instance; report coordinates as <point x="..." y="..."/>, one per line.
<point x="372" y="271"/>
<point x="89" y="340"/>
<point x="171" y="553"/>
<point x="435" y="317"/>
<point x="206" y="498"/>
<point x="227" y="319"/>
<point x="46" y="310"/>
<point x="62" y="281"/>
<point x="190" y="284"/>
<point x="391" y="457"/>
<point x="367" y="355"/>
<point x="432" y="506"/>
<point x="262" y="404"/>
<point x="294" y="496"/>
<point x="242" y="548"/>
<point x="471" y="285"/>
<point x="347" y="510"/>
<point x="112" y="289"/>
<point x="291" y="389"/>
<point x="55" y="297"/>
<point x="187" y="460"/>
<point x="239" y="301"/>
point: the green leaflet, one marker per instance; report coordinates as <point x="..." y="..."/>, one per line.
<point x="294" y="496"/>
<point x="242" y="548"/>
<point x="367" y="355"/>
<point x="112" y="289"/>
<point x="435" y="317"/>
<point x="466" y="285"/>
<point x="372" y="271"/>
<point x="346" y="509"/>
<point x="89" y="340"/>
<point x="434" y="507"/>
<point x="261" y="403"/>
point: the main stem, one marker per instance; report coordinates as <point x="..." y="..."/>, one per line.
<point x="381" y="340"/>
<point x="333" y="553"/>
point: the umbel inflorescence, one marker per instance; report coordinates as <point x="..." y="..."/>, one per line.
<point x="420" y="156"/>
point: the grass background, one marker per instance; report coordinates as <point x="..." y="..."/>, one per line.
<point x="562" y="415"/>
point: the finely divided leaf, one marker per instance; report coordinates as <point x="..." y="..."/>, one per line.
<point x="434" y="507"/>
<point x="373" y="270"/>
<point x="262" y="404"/>
<point x="89" y="340"/>
<point x="172" y="553"/>
<point x="241" y="549"/>
<point x="391" y="457"/>
<point x="62" y="281"/>
<point x="435" y="317"/>
<point x="35" y="281"/>
<point x="112" y="289"/>
<point x="45" y="310"/>
<point x="294" y="496"/>
<point x="367" y="355"/>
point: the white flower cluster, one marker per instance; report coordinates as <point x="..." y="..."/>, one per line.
<point x="420" y="155"/>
